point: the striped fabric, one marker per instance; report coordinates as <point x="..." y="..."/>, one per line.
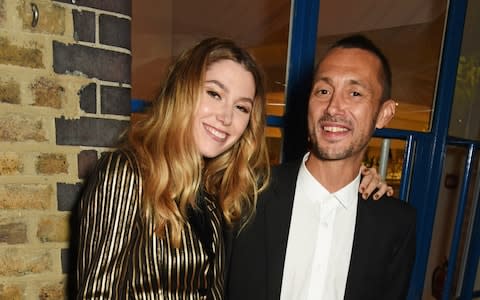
<point x="120" y="257"/>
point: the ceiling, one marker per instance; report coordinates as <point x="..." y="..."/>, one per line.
<point x="267" y="21"/>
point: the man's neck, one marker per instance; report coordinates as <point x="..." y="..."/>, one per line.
<point x="333" y="174"/>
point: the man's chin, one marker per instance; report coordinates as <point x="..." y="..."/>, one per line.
<point x="323" y="154"/>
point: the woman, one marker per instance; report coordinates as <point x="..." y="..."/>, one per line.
<point x="153" y="214"/>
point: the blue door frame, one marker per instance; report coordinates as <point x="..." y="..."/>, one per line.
<point x="421" y="180"/>
<point x="473" y="251"/>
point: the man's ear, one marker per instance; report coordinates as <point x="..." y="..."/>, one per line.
<point x="386" y="113"/>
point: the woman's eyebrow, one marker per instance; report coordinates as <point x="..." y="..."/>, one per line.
<point x="218" y="83"/>
<point x="223" y="87"/>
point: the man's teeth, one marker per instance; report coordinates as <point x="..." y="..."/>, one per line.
<point x="334" y="129"/>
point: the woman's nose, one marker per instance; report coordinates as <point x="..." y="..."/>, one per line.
<point x="225" y="114"/>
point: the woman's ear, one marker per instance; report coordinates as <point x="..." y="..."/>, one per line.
<point x="386" y="113"/>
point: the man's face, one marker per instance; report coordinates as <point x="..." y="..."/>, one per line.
<point x="344" y="106"/>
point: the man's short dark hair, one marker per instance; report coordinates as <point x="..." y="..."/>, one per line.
<point x="361" y="42"/>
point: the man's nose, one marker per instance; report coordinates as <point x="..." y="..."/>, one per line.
<point x="335" y="104"/>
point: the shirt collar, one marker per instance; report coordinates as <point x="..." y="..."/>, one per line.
<point x="346" y="196"/>
<point x="349" y="193"/>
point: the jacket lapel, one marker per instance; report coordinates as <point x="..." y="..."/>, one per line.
<point x="277" y="218"/>
<point x="362" y="236"/>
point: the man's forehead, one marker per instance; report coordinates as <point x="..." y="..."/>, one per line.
<point x="350" y="56"/>
<point x="348" y="60"/>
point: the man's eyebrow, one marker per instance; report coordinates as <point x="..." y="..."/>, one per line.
<point x="324" y="78"/>
<point x="360" y="83"/>
<point x="350" y="81"/>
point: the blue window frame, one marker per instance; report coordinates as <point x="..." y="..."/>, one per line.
<point x="424" y="155"/>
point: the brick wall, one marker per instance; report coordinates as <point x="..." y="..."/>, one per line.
<point x="64" y="99"/>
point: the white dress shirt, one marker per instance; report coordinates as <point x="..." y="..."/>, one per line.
<point x="320" y="239"/>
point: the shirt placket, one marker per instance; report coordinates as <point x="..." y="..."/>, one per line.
<point x="323" y="246"/>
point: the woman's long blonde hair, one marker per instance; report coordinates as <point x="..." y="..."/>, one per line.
<point x="173" y="170"/>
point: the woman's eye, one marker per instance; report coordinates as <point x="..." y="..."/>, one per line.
<point x="243" y="109"/>
<point x="214" y="94"/>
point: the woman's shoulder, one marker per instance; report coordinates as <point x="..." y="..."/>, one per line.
<point x="119" y="160"/>
<point x="117" y="174"/>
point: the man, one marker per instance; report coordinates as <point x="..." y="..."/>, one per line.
<point x="313" y="237"/>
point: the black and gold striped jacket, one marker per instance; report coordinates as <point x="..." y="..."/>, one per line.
<point x="120" y="257"/>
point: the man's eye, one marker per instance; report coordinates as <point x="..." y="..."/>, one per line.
<point x="356" y="94"/>
<point x="322" y="92"/>
<point x="214" y="94"/>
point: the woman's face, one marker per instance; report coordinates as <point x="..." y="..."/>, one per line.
<point x="224" y="108"/>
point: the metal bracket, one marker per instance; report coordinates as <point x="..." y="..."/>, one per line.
<point x="35" y="14"/>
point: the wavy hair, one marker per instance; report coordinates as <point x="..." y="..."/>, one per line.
<point x="172" y="167"/>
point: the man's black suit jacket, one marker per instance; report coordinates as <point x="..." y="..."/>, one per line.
<point x="383" y="250"/>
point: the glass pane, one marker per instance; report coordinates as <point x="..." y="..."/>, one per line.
<point x="394" y="160"/>
<point x="409" y="33"/>
<point x="162" y="29"/>
<point x="466" y="105"/>
<point x="477" y="280"/>
<point x="449" y="197"/>
<point x="474" y="191"/>
<point x="275" y="107"/>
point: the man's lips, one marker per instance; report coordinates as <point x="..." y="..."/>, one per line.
<point x="334" y="129"/>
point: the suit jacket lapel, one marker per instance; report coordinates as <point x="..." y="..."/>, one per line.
<point x="360" y="253"/>
<point x="277" y="222"/>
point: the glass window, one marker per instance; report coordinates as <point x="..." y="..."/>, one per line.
<point x="477" y="280"/>
<point x="445" y="218"/>
<point x="161" y="29"/>
<point x="409" y="33"/>
<point x="390" y="166"/>
<point x="466" y="105"/>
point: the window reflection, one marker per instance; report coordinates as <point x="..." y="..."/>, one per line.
<point x="409" y="33"/>
<point x="162" y="29"/>
<point x="394" y="161"/>
<point x="464" y="121"/>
